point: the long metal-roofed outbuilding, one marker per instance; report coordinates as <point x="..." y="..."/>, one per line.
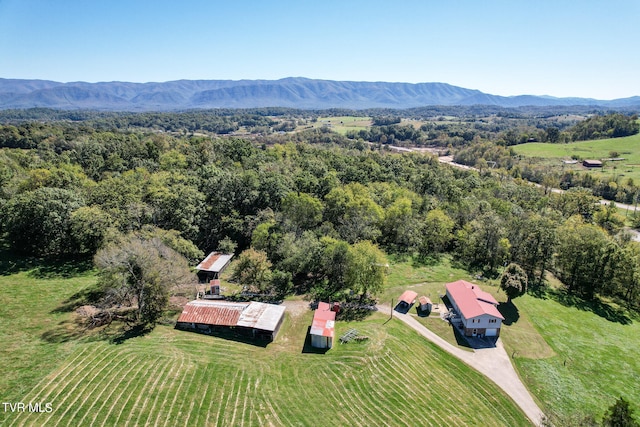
<point x="249" y="319"/>
<point x="211" y="267"/>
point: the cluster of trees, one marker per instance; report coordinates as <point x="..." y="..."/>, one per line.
<point x="483" y="154"/>
<point x="614" y="125"/>
<point x="320" y="211"/>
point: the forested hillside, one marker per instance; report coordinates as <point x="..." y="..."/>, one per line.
<point x="292" y="92"/>
<point x="314" y="207"/>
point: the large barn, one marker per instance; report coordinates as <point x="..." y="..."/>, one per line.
<point x="249" y="319"/>
<point x="478" y="310"/>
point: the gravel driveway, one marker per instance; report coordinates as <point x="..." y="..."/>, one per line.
<point x="492" y="362"/>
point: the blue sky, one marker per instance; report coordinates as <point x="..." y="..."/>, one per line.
<point x="560" y="48"/>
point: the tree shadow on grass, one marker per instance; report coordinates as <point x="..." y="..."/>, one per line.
<point x="87" y="296"/>
<point x="426" y="261"/>
<point x="127" y="332"/>
<point x="66" y="330"/>
<point x="510" y="313"/>
<point x="596" y="306"/>
<point x="61" y="269"/>
<point x="42" y="268"/>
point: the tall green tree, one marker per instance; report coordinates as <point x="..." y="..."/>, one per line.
<point x="513" y="281"/>
<point x="585" y="257"/>
<point x="436" y="233"/>
<point x="253" y="271"/>
<point x="139" y="272"/>
<point x="303" y="211"/>
<point x="39" y="222"/>
<point x="366" y="269"/>
<point x="483" y="242"/>
<point x="620" y="414"/>
<point x="354" y="213"/>
<point x="533" y="238"/>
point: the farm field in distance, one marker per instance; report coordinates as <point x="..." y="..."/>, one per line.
<point x="170" y="377"/>
<point x="552" y="155"/>
<point x="342" y="124"/>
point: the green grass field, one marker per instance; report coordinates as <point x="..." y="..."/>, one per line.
<point x="344" y="123"/>
<point x="595" y="358"/>
<point x="573" y="360"/>
<point x="169" y="377"/>
<point x="574" y="357"/>
<point x="552" y="154"/>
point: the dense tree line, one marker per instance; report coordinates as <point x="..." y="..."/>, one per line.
<point x="609" y="126"/>
<point x="321" y="211"/>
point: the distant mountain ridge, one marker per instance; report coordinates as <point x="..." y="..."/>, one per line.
<point x="292" y="92"/>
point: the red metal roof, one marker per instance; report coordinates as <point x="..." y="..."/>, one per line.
<point x="212" y="313"/>
<point x="472" y="301"/>
<point x="256" y="315"/>
<point x="323" y="321"/>
<point x="409" y="297"/>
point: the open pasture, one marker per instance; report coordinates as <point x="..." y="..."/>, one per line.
<point x="343" y="124"/>
<point x="173" y="378"/>
<point x="552" y="155"/>
<point x="595" y="361"/>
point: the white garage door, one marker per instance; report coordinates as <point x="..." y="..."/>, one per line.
<point x="491" y="332"/>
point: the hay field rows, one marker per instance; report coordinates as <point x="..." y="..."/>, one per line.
<point x="174" y="378"/>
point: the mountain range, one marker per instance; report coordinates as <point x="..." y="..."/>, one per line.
<point x="292" y="92"/>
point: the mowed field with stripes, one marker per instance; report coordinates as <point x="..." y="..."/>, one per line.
<point x="174" y="378"/>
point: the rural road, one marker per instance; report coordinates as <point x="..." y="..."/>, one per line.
<point x="492" y="362"/>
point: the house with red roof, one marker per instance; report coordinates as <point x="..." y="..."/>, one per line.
<point x="478" y="310"/>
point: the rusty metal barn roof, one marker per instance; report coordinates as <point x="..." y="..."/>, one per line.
<point x="424" y="300"/>
<point x="409" y="297"/>
<point x="212" y="313"/>
<point x="214" y="262"/>
<point x="255" y="315"/>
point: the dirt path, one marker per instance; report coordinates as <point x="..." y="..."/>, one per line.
<point x="492" y="362"/>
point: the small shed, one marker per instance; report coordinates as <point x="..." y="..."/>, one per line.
<point x="592" y="163"/>
<point x="425" y="304"/>
<point x="406" y="300"/>
<point x="323" y="326"/>
<point x="211" y="267"/>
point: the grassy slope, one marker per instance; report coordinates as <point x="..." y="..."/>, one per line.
<point x="170" y="377"/>
<point x="550" y="154"/>
<point x="596" y="359"/>
<point x="542" y="334"/>
<point x="35" y="337"/>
